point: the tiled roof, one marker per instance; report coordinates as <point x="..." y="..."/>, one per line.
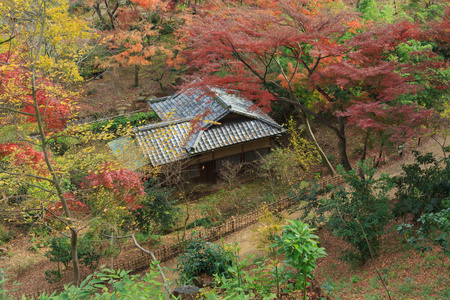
<point x="188" y="104"/>
<point x="174" y="139"/>
<point x="168" y="142"/>
<point x="242" y="106"/>
<point x="194" y="102"/>
<point x="164" y="142"/>
<point x="230" y="133"/>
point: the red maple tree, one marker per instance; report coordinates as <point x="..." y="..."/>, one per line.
<point x="285" y="50"/>
<point x="125" y="184"/>
<point x="54" y="105"/>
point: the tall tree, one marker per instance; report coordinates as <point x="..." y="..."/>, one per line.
<point x="284" y="50"/>
<point x="135" y="40"/>
<point x="44" y="45"/>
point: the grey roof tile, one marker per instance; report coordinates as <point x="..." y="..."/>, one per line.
<point x="188" y="104"/>
<point x="164" y="144"/>
<point x="195" y="102"/>
<point x="174" y="138"/>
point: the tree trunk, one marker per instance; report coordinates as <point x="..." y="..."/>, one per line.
<point x="343" y="146"/>
<point x="313" y="138"/>
<point x="75" y="263"/>
<point x="136" y="76"/>
<point x="99" y="13"/>
<point x="340" y="132"/>
<point x="55" y="178"/>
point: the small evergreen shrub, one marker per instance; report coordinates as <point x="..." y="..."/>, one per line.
<point x="202" y="257"/>
<point x="301" y="250"/>
<point x="360" y="211"/>
<point x="156" y="212"/>
<point x="59" y="145"/>
<point x="61" y="252"/>
<point x="435" y="228"/>
<point x="205" y="222"/>
<point x="423" y="186"/>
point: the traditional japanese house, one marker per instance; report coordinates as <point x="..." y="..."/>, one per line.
<point x="205" y="130"/>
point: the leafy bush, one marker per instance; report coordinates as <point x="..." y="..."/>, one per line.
<point x="423" y="186"/>
<point x="202" y="257"/>
<point x="301" y="251"/>
<point x="120" y="284"/>
<point x="59" y="145"/>
<point x="269" y="225"/>
<point x="280" y="168"/>
<point x="156" y="212"/>
<point x="435" y="228"/>
<point x="149" y="239"/>
<point x="53" y="276"/>
<point x="115" y="124"/>
<point x="206" y="222"/>
<point x="286" y="166"/>
<point x="61" y="252"/>
<point x="88" y="254"/>
<point x="360" y="211"/>
<point x="245" y="282"/>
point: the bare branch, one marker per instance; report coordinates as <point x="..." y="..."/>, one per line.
<point x="163" y="277"/>
<point x="8" y="40"/>
<point x="16" y="111"/>
<point x="28" y="175"/>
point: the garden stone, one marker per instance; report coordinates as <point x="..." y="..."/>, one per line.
<point x="187" y="292"/>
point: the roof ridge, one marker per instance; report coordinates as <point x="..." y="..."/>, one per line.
<point x="256" y="117"/>
<point x="163" y="124"/>
<point x="159" y="99"/>
<point x="197" y="140"/>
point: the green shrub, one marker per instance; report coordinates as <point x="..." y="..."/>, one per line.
<point x="360" y="211"/>
<point x="115" y="124"/>
<point x="248" y="281"/>
<point x="149" y="239"/>
<point x="120" y="285"/>
<point x="435" y="228"/>
<point x="206" y="222"/>
<point x="157" y="213"/>
<point x="88" y="254"/>
<point x="53" y="276"/>
<point x="59" y="145"/>
<point x="202" y="257"/>
<point x="61" y="252"/>
<point x="301" y="251"/>
<point x="423" y="186"/>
